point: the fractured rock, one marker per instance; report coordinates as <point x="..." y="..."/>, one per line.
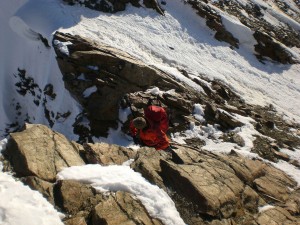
<point x="39" y="151"/>
<point x="74" y="197"/>
<point x="126" y="210"/>
<point x="112" y="73"/>
<point x="217" y="185"/>
<point x="108" y="154"/>
<point x="276" y="215"/>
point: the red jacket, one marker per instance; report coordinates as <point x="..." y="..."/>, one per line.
<point x="154" y="134"/>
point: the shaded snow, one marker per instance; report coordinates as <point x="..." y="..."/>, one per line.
<point x="89" y="91"/>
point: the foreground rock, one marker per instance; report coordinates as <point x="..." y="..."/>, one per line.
<point x="207" y="188"/>
<point x="96" y="208"/>
<point x="37" y="154"/>
<point x="218" y="186"/>
<point x="38" y="151"/>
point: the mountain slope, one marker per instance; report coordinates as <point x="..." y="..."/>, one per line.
<point x="228" y="71"/>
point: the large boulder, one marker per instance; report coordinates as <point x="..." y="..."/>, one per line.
<point x="108" y="154"/>
<point x="97" y="208"/>
<point x="39" y="151"/>
<point x="216" y="185"/>
<point x="127" y="210"/>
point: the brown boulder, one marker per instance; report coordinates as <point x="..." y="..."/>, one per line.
<point x="126" y="210"/>
<point x="74" y="197"/>
<point x="276" y="215"/>
<point x="108" y="154"/>
<point x="39" y="151"/>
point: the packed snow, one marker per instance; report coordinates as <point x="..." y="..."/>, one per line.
<point x="123" y="178"/>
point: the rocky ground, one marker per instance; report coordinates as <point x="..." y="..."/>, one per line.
<point x="207" y="188"/>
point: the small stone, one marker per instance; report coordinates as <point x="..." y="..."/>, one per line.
<point x="281" y="155"/>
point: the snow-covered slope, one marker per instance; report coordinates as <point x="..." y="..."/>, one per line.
<point x="26" y="63"/>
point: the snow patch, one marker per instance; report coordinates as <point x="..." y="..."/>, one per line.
<point x="199" y="112"/>
<point x="87" y="92"/>
<point x="265" y="208"/>
<point x="63" y="46"/>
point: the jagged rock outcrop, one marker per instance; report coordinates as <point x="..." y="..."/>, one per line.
<point x="37" y="154"/>
<point x="113" y="6"/>
<point x="207" y="188"/>
<point x="111" y="74"/>
<point x="269" y="47"/>
<point x="214" y="21"/>
<point x="216" y="185"/>
<point x="39" y="151"/>
<point x="107" y="154"/>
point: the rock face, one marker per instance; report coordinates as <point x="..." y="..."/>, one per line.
<point x="113" y="6"/>
<point x="127" y="210"/>
<point x="111" y="74"/>
<point x="106" y="154"/>
<point x="38" y="151"/>
<point x="217" y="186"/>
<point x="207" y="188"/>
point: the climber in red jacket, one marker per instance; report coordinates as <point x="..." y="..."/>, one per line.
<point x="152" y="128"/>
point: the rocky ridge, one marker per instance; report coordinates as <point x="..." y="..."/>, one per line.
<point x="207" y="188"/>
